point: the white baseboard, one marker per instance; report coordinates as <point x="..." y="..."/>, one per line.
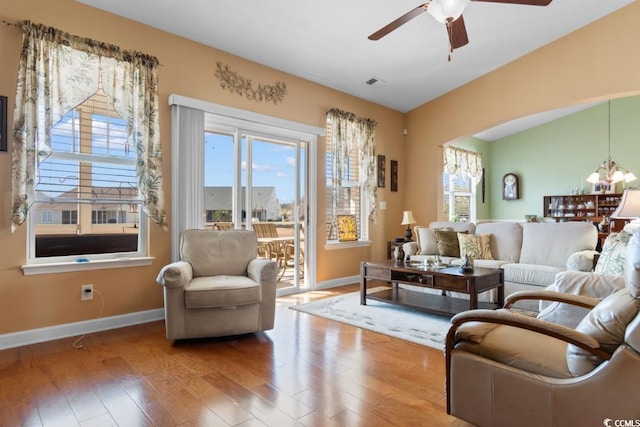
<point x="34" y="336"/>
<point x="338" y="282"/>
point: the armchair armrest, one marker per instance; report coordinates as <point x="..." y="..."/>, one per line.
<point x="510" y="318"/>
<point x="582" y="261"/>
<point x="546" y="295"/>
<point x="263" y="270"/>
<point x="175" y="275"/>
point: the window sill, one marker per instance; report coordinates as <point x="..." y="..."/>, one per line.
<point x="64" y="267"/>
<point x="332" y="245"/>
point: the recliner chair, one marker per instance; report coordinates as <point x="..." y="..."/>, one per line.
<point x="505" y="368"/>
<point x="219" y="287"/>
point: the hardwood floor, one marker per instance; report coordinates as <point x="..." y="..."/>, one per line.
<point x="308" y="371"/>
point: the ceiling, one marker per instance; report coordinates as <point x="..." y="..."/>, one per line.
<point x="326" y="41"/>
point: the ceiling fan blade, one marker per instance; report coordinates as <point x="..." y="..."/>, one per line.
<point x="524" y="2"/>
<point x="457" y="33"/>
<point x="398" y="22"/>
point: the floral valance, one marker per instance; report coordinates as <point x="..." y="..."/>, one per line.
<point x="464" y="162"/>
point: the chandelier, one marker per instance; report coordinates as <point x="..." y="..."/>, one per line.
<point x="610" y="172"/>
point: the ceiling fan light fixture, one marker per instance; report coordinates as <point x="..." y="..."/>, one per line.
<point x="447" y="10"/>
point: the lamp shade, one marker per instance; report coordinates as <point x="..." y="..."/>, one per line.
<point x="629" y="207"/>
<point x="407" y="218"/>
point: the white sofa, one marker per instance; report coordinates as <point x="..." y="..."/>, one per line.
<point x="531" y="254"/>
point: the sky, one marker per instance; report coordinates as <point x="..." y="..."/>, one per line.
<point x="273" y="165"/>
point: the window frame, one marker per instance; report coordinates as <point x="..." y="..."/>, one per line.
<point x="45" y="265"/>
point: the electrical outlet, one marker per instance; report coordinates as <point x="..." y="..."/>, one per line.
<point x="86" y="292"/>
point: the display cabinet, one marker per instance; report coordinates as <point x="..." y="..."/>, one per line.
<point x="580" y="207"/>
<point x="583" y="207"/>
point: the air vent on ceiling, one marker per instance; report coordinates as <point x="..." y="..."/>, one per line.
<point x="375" y="81"/>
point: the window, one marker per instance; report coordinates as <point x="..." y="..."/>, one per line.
<point x="47" y="217"/>
<point x="459" y="198"/>
<point x="462" y="172"/>
<point x="88" y="183"/>
<point x="350" y="173"/>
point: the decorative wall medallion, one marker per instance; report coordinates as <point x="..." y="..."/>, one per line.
<point x="229" y="79"/>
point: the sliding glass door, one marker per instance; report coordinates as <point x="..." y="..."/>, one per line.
<point x="259" y="182"/>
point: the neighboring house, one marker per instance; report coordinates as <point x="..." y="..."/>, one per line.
<point x="58" y="213"/>
<point x="218" y="204"/>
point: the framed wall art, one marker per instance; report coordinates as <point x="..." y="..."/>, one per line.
<point x="381" y="171"/>
<point x="3" y="123"/>
<point x="394" y="175"/>
<point x="603" y="188"/>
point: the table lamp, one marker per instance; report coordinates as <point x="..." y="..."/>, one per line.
<point x="407" y="219"/>
<point x="629" y="207"/>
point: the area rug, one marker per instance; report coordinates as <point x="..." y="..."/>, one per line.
<point x="411" y="325"/>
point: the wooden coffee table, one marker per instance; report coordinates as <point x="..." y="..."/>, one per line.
<point x="443" y="279"/>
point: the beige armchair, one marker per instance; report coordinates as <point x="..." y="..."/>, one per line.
<point x="218" y="287"/>
<point x="505" y="368"/>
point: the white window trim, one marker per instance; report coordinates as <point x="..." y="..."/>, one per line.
<point x="64" y="267"/>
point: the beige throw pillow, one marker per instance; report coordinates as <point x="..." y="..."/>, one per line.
<point x="476" y="246"/>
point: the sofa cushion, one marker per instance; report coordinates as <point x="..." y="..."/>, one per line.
<point x="613" y="255"/>
<point x="607" y="323"/>
<point x="476" y="246"/>
<point x="506" y="239"/>
<point x="221" y="291"/>
<point x="448" y="244"/>
<point x="551" y="243"/>
<point x="530" y="274"/>
<point x="469" y="227"/>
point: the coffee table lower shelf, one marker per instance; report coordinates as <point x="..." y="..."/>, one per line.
<point x="437" y="304"/>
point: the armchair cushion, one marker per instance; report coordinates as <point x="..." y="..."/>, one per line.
<point x="607" y="323"/>
<point x="516" y="347"/>
<point x="221" y="291"/>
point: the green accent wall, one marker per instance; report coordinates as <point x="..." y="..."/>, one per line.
<point x="557" y="157"/>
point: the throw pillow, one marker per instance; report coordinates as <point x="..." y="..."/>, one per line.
<point x="448" y="244"/>
<point x="611" y="261"/>
<point x="476" y="246"/>
<point x="607" y="323"/>
<point x="426" y="239"/>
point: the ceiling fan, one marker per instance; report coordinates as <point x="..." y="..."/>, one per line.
<point x="448" y="12"/>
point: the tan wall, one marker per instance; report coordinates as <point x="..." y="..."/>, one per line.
<point x="28" y="302"/>
<point x="594" y="63"/>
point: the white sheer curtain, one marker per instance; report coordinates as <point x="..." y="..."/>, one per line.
<point x="464" y="162"/>
<point x="187" y="147"/>
<point x="59" y="71"/>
